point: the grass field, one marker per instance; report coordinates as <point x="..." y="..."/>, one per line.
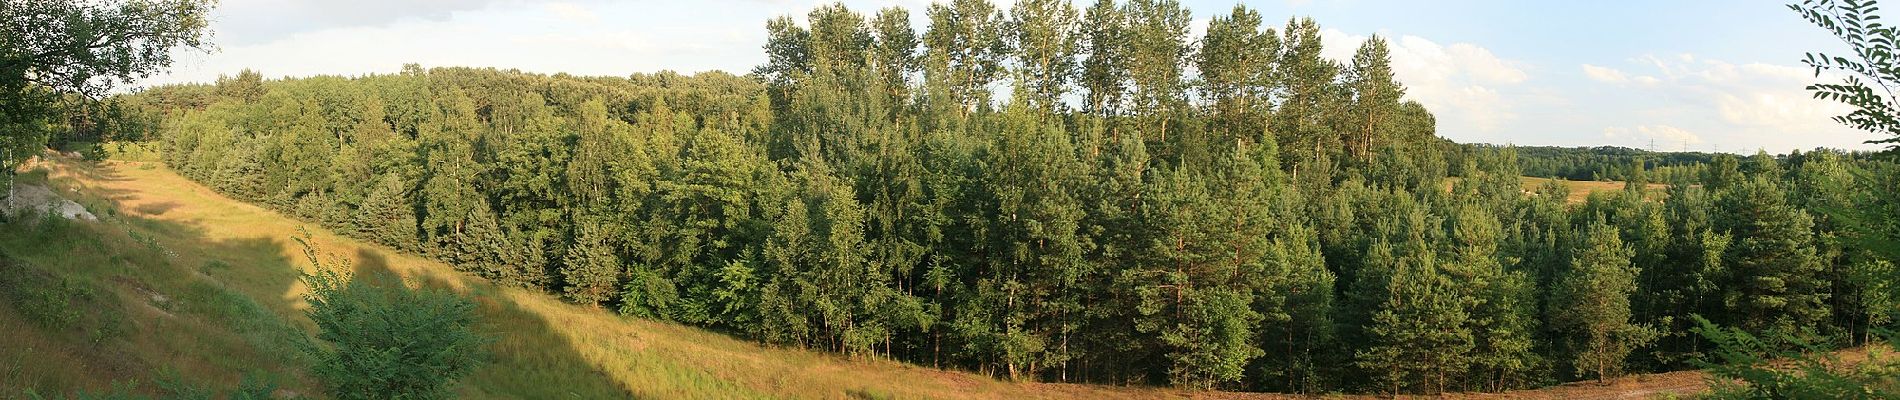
<point x="1581" y="190"/>
<point x="176" y="283"/>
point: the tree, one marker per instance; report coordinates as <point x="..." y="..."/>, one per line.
<point x="964" y="51"/>
<point x="1157" y="51"/>
<point x="1105" y="64"/>
<point x="1503" y="303"/>
<point x="1269" y="219"/>
<point x="387" y="215"/>
<point x="1686" y="283"/>
<point x="1044" y="36"/>
<point x="1236" y="64"/>
<point x="49" y="48"/>
<point x="1774" y="277"/>
<point x="1194" y="290"/>
<point x="1419" y="338"/>
<point x="1370" y="77"/>
<point x="1309" y="104"/>
<point x="1037" y="237"/>
<point x="1591" y="304"/>
<point x="247" y="86"/>
<point x="896" y="52"/>
<point x="590" y="271"/>
<point x="1416" y="332"/>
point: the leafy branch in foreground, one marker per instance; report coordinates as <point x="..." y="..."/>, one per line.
<point x="1782" y="366"/>
<point x="1869" y="87"/>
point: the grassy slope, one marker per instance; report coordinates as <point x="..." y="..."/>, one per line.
<point x="206" y="286"/>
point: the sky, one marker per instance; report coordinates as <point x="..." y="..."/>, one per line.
<point x="1698" y="75"/>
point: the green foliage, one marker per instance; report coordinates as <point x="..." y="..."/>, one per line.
<point x="1775" y="273"/>
<point x="52" y="302"/>
<point x="1781" y="366"/>
<point x="55" y="49"/>
<point x="1270" y="219"/>
<point x="1871" y="75"/>
<point x="1592" y="305"/>
<point x="385" y="340"/>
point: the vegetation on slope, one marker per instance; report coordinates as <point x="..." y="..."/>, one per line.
<point x="1233" y="212"/>
<point x="1279" y="232"/>
<point x="232" y="306"/>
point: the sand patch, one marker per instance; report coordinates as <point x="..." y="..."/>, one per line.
<point x="26" y="196"/>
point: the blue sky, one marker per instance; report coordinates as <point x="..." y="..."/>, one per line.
<point x="1698" y="75"/>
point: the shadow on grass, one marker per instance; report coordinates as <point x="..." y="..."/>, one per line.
<point x="139" y="310"/>
<point x="160" y="297"/>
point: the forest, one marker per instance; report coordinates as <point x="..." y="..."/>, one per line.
<point x="1059" y="192"/>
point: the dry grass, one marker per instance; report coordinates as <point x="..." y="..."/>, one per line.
<point x="1581" y="190"/>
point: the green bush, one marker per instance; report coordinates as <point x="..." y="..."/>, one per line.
<point x="46" y="300"/>
<point x="387" y="341"/>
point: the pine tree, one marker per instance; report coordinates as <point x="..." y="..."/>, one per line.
<point x="1157" y="48"/>
<point x="1502" y="309"/>
<point x="590" y="271"/>
<point x="964" y="51"/>
<point x="387" y="215"/>
<point x="1419" y="340"/>
<point x="1303" y="120"/>
<point x="1591" y="305"/>
<point x="1774" y="280"/>
<point x="1194" y="289"/>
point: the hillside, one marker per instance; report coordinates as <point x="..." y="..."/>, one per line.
<point x="213" y="260"/>
<point x="201" y="282"/>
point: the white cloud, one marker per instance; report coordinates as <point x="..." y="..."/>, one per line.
<point x="531" y="36"/>
<point x="574" y="12"/>
<point x="1664" y="136"/>
<point x="245" y="22"/>
<point x="1745" y="106"/>
<point x="1465" y="85"/>
<point x="1604" y="74"/>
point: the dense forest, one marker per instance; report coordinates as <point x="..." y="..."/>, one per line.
<point x="1056" y="192"/>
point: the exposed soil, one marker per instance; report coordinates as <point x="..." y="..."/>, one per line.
<point x="25" y="196"/>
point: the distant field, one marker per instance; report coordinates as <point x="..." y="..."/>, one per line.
<point x="1580" y="190"/>
<point x="189" y="283"/>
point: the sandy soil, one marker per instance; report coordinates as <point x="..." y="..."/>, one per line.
<point x="37" y="197"/>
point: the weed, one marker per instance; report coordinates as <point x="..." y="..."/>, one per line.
<point x="213" y="266"/>
<point x="44" y="299"/>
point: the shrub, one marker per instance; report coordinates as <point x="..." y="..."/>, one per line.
<point x="387" y="341"/>
<point x="1783" y="366"/>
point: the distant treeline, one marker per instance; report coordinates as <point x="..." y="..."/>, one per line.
<point x="1272" y="221"/>
<point x="1601" y="163"/>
